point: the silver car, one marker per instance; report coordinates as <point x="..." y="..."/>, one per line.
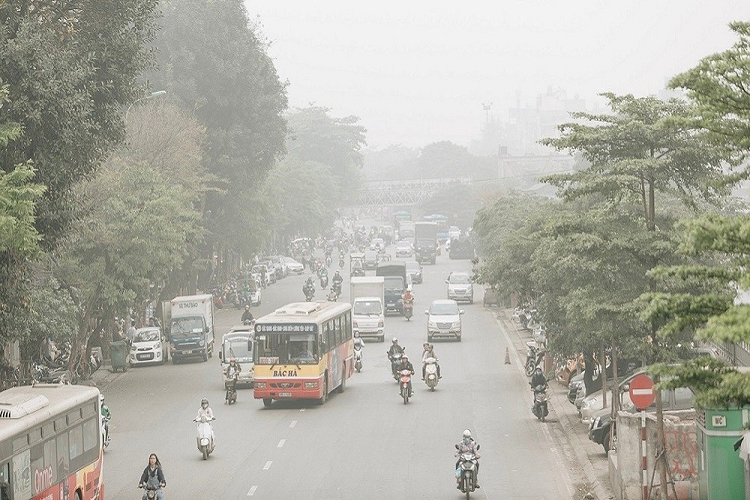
<point x="460" y="287"/>
<point x="444" y="320"/>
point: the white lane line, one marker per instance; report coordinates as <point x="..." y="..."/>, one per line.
<point x="252" y="491"/>
<point x="268" y="465"/>
<point x="301" y="409"/>
<point x="294" y="422"/>
<point x="281" y="443"/>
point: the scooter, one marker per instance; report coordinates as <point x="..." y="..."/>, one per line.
<point x="205" y="437"/>
<point x="341" y="262"/>
<point x="105" y="431"/>
<point x="540" y="409"/>
<point x="332" y="296"/>
<point x="430" y="373"/>
<point x="358" y="358"/>
<point x="309" y="293"/>
<point x="152" y="491"/>
<point x="231" y="392"/>
<point x="408" y="309"/>
<point x="466" y="472"/>
<point x="405" y="376"/>
<point x="324" y="281"/>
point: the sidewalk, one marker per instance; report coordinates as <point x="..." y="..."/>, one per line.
<point x="104" y="376"/>
<point x="590" y="457"/>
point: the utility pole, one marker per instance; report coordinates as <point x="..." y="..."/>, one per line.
<point x="487" y="108"/>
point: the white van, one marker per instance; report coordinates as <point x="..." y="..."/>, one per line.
<point x="238" y="344"/>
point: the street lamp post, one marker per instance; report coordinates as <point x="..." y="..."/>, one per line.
<point x="150" y="96"/>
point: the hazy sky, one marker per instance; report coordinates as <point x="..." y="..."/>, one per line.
<point x="417" y="71"/>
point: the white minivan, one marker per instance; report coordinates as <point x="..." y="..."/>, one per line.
<point x="149" y="346"/>
<point x="238" y="344"/>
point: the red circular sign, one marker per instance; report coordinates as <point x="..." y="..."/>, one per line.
<point x="642" y="392"/>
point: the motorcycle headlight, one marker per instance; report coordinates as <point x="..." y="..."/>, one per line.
<point x="260" y="385"/>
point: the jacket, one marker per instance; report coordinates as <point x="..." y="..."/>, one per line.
<point x="147" y="472"/>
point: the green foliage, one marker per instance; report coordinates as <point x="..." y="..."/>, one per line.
<point x="719" y="86"/>
<point x="216" y="67"/>
<point x="18" y="196"/>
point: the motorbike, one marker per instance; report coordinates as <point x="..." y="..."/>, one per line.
<point x="466" y="472"/>
<point x="358" y="358"/>
<point x="408" y="309"/>
<point x="309" y="293"/>
<point x="336" y="287"/>
<point x="231" y="392"/>
<point x="205" y="436"/>
<point x="405" y="378"/>
<point x="328" y="261"/>
<point x="324" y="281"/>
<point x="152" y="491"/>
<point x="430" y="373"/>
<point x="341" y="262"/>
<point x="534" y="357"/>
<point x="395" y="363"/>
<point x="540" y="409"/>
<point x="332" y="296"/>
<point x="105" y="431"/>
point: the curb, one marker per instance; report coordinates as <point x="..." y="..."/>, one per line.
<point x="601" y="491"/>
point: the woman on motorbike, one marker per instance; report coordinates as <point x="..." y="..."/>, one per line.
<point x="153" y="477"/>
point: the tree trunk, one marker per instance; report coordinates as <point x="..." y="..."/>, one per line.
<point x="603" y="374"/>
<point x="588" y="373"/>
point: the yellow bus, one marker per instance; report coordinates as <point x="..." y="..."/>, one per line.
<point x="303" y="350"/>
<point x="51" y="443"/>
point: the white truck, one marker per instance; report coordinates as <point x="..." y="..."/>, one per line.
<point x="191" y="327"/>
<point x="368" y="315"/>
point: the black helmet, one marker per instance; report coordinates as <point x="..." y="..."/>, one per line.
<point x="204" y="401"/>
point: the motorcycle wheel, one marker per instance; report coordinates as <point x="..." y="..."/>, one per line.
<point x="204" y="450"/>
<point x="530" y="367"/>
<point x="405" y="395"/>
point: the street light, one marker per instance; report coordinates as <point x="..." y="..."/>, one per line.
<point x="150" y="96"/>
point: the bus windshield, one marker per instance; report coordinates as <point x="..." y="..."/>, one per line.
<point x="280" y="349"/>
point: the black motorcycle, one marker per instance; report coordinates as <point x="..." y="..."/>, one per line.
<point x="540" y="409"/>
<point x="395" y="364"/>
<point x="309" y="292"/>
<point x="533" y="358"/>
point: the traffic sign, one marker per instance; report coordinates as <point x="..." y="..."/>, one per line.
<point x="642" y="392"/>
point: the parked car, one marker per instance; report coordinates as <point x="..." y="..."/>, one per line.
<point x="149" y="346"/>
<point x="292" y="266"/>
<point x="600" y="429"/>
<point x="404" y="249"/>
<point x="444" y="320"/>
<point x="414" y="269"/>
<point x="460" y="287"/>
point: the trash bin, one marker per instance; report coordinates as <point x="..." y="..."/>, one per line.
<point x="721" y="471"/>
<point x="118" y="353"/>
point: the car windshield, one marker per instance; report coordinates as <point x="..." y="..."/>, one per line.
<point x="393" y="283"/>
<point x="459" y="279"/>
<point x="367" y="308"/>
<point x="445" y="309"/>
<point x="187" y="327"/>
<point x="239" y="347"/>
<point x="146" y="336"/>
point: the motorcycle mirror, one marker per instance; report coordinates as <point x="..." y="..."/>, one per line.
<point x="461" y="311"/>
<point x="478" y="447"/>
<point x="456" y="446"/>
<point x="426" y="311"/>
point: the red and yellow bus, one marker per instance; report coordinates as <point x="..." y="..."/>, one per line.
<point x="51" y="443"/>
<point x="303" y="350"/>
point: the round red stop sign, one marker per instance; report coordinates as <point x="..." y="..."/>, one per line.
<point x="642" y="392"/>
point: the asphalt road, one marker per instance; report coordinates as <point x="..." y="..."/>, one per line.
<point x="364" y="443"/>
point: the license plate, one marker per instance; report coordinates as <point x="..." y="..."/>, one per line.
<point x="187" y="352"/>
<point x="285" y="394"/>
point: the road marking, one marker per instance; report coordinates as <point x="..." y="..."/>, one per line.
<point x="281" y="443"/>
<point x="252" y="491"/>
<point x="294" y="422"/>
<point x="268" y="465"/>
<point x="301" y="409"/>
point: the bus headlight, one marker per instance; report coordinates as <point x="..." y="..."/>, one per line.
<point x="311" y="385"/>
<point x="260" y="385"/>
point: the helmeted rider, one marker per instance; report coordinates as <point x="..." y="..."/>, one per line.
<point x="406" y="365"/>
<point x="407" y="296"/>
<point x="468" y="445"/>
<point x="106" y="416"/>
<point x="359" y="342"/>
<point x="395" y="348"/>
<point x="232" y="372"/>
<point x="309" y="286"/>
<point x="538" y="378"/>
<point x="247" y="315"/>
<point x="429" y="352"/>
<point x="337" y="278"/>
<point x="205" y="411"/>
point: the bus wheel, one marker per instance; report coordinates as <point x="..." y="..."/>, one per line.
<point x="267" y="402"/>
<point x="323" y="398"/>
<point x="342" y="387"/>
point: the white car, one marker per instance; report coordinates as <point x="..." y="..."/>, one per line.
<point x="460" y="287"/>
<point x="444" y="320"/>
<point x="292" y="266"/>
<point x="404" y="249"/>
<point x="149" y="346"/>
<point x="377" y="244"/>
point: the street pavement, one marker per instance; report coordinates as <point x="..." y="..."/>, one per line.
<point x="364" y="443"/>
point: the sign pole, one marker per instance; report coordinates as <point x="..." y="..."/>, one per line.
<point x="644" y="456"/>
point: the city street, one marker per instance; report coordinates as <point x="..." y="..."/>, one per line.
<point x="364" y="443"/>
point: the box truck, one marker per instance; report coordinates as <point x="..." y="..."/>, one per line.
<point x="368" y="313"/>
<point x="191" y="327"/>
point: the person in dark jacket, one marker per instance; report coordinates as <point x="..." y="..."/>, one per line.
<point x="153" y="476"/>
<point x="406" y="365"/>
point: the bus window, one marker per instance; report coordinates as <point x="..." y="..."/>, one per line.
<point x="76" y="441"/>
<point x="90" y="434"/>
<point x="339" y="331"/>
<point x="63" y="456"/>
<point x="22" y="475"/>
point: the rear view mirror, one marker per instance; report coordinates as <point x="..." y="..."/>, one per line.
<point x="447" y="282"/>
<point x="461" y="311"/>
<point x="477" y="447"/>
<point x="426" y="311"/>
<point x="456" y="446"/>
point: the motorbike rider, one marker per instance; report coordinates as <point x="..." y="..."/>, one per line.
<point x="359" y="342"/>
<point x="337" y="279"/>
<point x="153" y="476"/>
<point x="106" y="416"/>
<point x="232" y="372"/>
<point x="406" y="365"/>
<point x="429" y="352"/>
<point x="247" y="316"/>
<point x="468" y="445"/>
<point x="407" y="296"/>
<point x="309" y="286"/>
<point x="395" y="348"/>
<point x="538" y="378"/>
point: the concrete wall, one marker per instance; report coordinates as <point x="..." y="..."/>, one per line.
<point x="682" y="455"/>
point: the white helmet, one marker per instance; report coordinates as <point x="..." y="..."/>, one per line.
<point x="467" y="433"/>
